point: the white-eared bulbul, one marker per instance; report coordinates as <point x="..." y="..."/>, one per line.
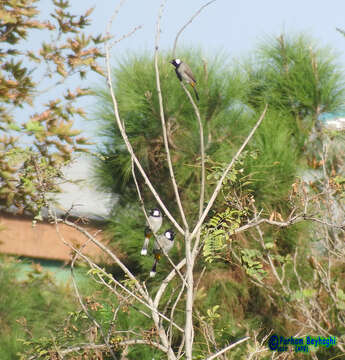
<point x="184" y="73"/>
<point x="163" y="242"/>
<point x="155" y="220"/>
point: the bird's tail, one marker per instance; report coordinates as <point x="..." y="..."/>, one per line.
<point x="153" y="270"/>
<point x="148" y="234"/>
<point x="144" y="249"/>
<point x="196" y="93"/>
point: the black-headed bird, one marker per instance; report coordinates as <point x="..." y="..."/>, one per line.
<point x="184" y="73"/>
<point x="163" y="244"/>
<point x="155" y="220"/>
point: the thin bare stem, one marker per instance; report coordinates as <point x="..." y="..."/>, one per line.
<point x="125" y="36"/>
<point x="179" y="352"/>
<point x="294" y="220"/>
<point x="202" y="155"/>
<point x="115" y="13"/>
<point x="162" y="116"/>
<point x="173" y="309"/>
<point x="202" y="148"/>
<point x="188" y="330"/>
<point x="187" y="23"/>
<point x="217" y="354"/>
<point x="220" y="182"/>
<point x="199" y="280"/>
<point x="166" y="282"/>
<point x="141" y="200"/>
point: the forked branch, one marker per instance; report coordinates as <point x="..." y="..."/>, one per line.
<point x="187" y="23"/>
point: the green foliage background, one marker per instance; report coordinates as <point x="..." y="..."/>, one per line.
<point x="31" y="309"/>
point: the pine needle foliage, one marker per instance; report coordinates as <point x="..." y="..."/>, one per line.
<point x="299" y="80"/>
<point x="295" y="74"/>
<point x="220" y="90"/>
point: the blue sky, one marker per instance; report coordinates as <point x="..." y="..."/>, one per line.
<point x="236" y="27"/>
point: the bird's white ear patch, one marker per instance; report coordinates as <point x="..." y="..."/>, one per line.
<point x="178" y="61"/>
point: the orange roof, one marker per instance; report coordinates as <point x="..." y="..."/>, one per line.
<point x="19" y="237"/>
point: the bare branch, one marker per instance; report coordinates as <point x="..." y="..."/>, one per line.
<point x="294" y="220"/>
<point x="166" y="282"/>
<point x="161" y="111"/>
<point x="173" y="310"/>
<point x="149" y="305"/>
<point x="202" y="155"/>
<point x="214" y="356"/>
<point x="116" y="12"/>
<point x="141" y="200"/>
<point x="187" y="23"/>
<point x="125" y="36"/>
<point x="202" y="148"/>
<point x="220" y="182"/>
<point x="189" y="330"/>
<point x="108" y="252"/>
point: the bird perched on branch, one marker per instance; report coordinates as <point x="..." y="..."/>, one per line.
<point x="184" y="73"/>
<point x="155" y="220"/>
<point x="163" y="244"/>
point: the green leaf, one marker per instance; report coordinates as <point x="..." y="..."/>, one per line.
<point x="14" y="126"/>
<point x="341" y="294"/>
<point x="34" y="126"/>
